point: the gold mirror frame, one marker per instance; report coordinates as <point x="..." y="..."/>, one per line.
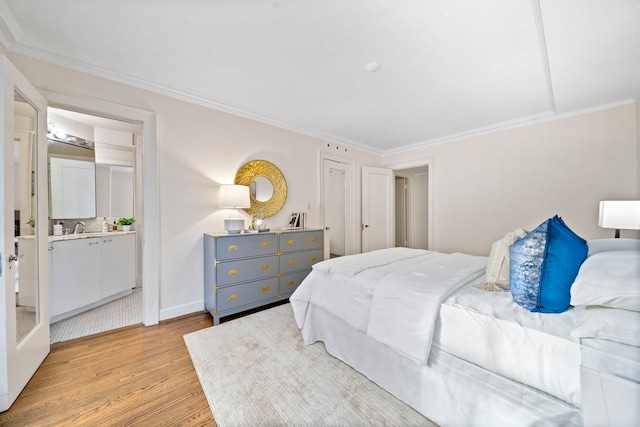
<point x="257" y="168"/>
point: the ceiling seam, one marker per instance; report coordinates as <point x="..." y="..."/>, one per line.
<point x="542" y="41"/>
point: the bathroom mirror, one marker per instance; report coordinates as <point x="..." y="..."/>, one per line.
<point x="267" y="185"/>
<point x="72" y="179"/>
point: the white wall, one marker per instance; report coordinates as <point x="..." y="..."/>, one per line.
<point x="487" y="185"/>
<point x="199" y="149"/>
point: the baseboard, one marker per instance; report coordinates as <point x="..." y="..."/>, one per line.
<point x="181" y="310"/>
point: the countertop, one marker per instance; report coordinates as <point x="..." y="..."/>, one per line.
<point x="86" y="235"/>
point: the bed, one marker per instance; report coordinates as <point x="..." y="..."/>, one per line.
<point x="457" y="353"/>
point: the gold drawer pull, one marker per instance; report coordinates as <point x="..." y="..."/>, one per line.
<point x="291" y="283"/>
<point x="314" y="239"/>
<point x="265" y="244"/>
<point x="265" y="266"/>
<point x="232" y="247"/>
<point x="313" y="258"/>
<point x="291" y="262"/>
<point x="291" y="242"/>
<point x="232" y="297"/>
<point x="233" y="272"/>
<point x="266" y="289"/>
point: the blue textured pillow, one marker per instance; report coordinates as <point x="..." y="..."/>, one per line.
<point x="544" y="264"/>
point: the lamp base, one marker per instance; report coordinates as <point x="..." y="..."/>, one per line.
<point x="234" y="225"/>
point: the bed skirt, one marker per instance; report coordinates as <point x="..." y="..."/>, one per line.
<point x="449" y="391"/>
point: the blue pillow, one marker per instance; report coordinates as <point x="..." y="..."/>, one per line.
<point x="543" y="266"/>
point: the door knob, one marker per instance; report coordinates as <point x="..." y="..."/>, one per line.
<point x="12" y="257"/>
<point x="326" y="228"/>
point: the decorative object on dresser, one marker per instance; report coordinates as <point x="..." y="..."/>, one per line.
<point x="245" y="271"/>
<point x="234" y="196"/>
<point x="619" y="214"/>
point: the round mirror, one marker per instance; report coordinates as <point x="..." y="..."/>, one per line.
<point x="261" y="189"/>
<point x="267" y="185"/>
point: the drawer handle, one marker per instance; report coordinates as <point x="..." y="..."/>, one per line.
<point x="314" y="239"/>
<point x="233" y="272"/>
<point x="265" y="244"/>
<point x="265" y="266"/>
<point x="232" y="247"/>
<point x="233" y="296"/>
<point x="313" y="258"/>
<point x="291" y="242"/>
<point x="291" y="283"/>
<point x="266" y="289"/>
<point x="291" y="262"/>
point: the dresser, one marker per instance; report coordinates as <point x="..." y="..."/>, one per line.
<point x="245" y="271"/>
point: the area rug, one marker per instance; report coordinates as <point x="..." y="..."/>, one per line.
<point x="256" y="371"/>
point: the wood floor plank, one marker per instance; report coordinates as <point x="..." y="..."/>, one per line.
<point x="133" y="376"/>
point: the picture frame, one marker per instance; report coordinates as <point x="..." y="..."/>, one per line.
<point x="294" y="221"/>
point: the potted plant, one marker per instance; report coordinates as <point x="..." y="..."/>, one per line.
<point x="126" y="223"/>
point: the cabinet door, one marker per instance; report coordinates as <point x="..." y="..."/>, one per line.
<point x="75" y="274"/>
<point x="118" y="264"/>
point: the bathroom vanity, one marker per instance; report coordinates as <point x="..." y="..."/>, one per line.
<point x="89" y="269"/>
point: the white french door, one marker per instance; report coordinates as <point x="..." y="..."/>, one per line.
<point x="24" y="285"/>
<point x="378" y="228"/>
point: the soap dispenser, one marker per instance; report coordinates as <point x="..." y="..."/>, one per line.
<point x="105" y="225"/>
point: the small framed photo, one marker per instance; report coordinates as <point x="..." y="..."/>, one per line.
<point x="294" y="221"/>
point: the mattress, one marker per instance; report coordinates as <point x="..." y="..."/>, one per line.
<point x="491" y="331"/>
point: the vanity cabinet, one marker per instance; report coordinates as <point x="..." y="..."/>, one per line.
<point x="74" y="274"/>
<point x="118" y="264"/>
<point x="89" y="271"/>
<point x="245" y="271"/>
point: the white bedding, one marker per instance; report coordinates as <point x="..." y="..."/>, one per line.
<point x="491" y="331"/>
<point x="390" y="303"/>
<point x="399" y="292"/>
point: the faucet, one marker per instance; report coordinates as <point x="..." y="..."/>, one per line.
<point x="78" y="227"/>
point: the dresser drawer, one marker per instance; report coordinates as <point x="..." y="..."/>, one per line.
<point x="236" y="271"/>
<point x="244" y="246"/>
<point x="289" y="282"/>
<point x="231" y="297"/>
<point x="300" y="241"/>
<point x="297" y="261"/>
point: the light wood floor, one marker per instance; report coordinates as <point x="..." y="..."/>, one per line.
<point x="134" y="376"/>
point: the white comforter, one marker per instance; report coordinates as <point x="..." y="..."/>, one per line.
<point x="398" y="293"/>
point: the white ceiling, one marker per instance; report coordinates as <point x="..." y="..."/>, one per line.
<point x="448" y="67"/>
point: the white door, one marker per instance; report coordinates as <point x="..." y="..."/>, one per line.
<point x="334" y="202"/>
<point x="337" y="209"/>
<point x="24" y="287"/>
<point x="378" y="227"/>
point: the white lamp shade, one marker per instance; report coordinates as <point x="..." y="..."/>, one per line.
<point x="234" y="196"/>
<point x="620" y="214"/>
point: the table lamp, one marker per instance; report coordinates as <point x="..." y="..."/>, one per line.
<point x="620" y="214"/>
<point x="234" y="197"/>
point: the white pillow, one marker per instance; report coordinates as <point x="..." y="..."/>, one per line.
<point x="611" y="324"/>
<point x="609" y="279"/>
<point x="497" y="273"/>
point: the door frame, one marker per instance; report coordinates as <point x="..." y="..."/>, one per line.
<point x="350" y="224"/>
<point x="149" y="227"/>
<point x="428" y="162"/>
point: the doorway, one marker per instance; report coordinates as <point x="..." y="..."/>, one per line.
<point x="115" y="196"/>
<point x="412" y="197"/>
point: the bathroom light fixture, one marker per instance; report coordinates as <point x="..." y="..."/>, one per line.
<point x="234" y="196"/>
<point x="620" y="214"/>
